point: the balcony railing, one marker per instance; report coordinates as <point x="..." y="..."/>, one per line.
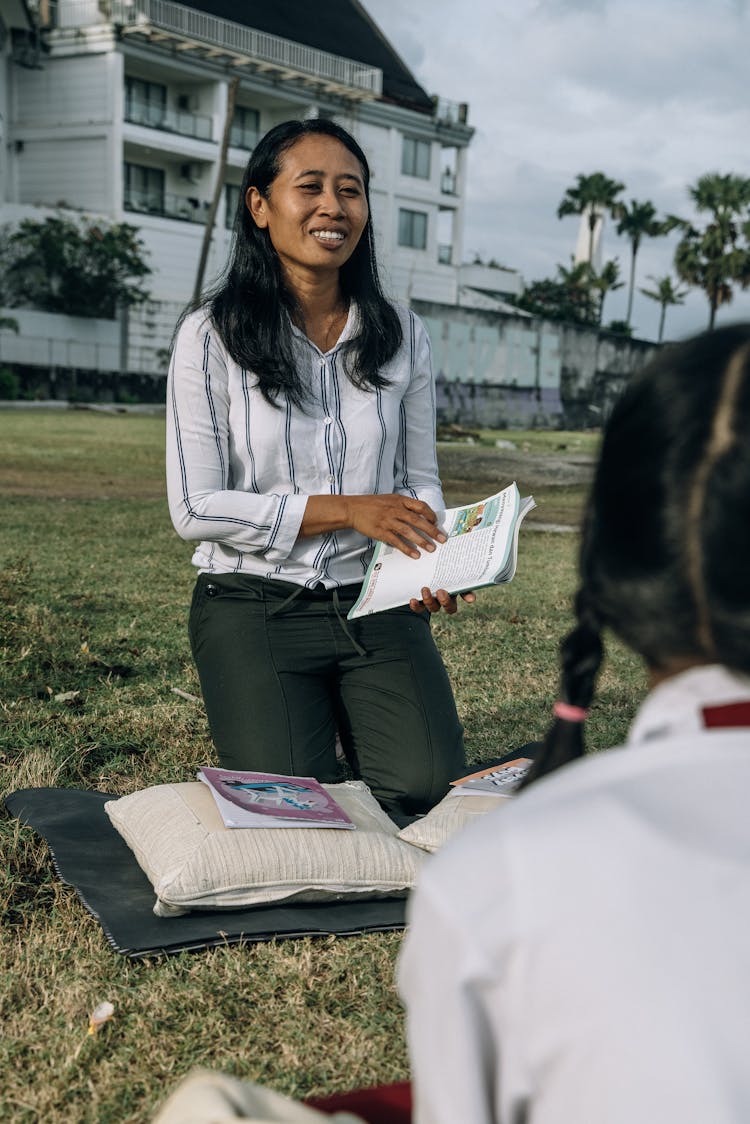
<point x="166" y="206"/>
<point x="170" y="121"/>
<point x="450" y="112"/>
<point x="221" y="37"/>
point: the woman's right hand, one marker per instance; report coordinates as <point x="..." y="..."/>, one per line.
<point x="407" y="524"/>
<point x="398" y="521"/>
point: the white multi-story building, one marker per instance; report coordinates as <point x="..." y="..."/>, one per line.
<point x="116" y="108"/>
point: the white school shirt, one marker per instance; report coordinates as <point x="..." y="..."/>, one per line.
<point x="239" y="471"/>
<point x="582" y="954"/>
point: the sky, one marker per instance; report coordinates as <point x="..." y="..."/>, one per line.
<point x="654" y="93"/>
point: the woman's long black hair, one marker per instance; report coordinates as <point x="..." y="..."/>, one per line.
<point x="253" y="310"/>
<point x="665" y="552"/>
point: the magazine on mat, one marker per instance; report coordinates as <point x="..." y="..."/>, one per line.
<point x="498" y="780"/>
<point x="271" y="800"/>
<point x="481" y="549"/>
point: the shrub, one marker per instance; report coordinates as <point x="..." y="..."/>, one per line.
<point x="10" y="385"/>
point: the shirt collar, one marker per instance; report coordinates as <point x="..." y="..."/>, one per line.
<point x="691" y="702"/>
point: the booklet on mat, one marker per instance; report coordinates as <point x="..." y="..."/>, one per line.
<point x="271" y="800"/>
<point x="481" y="549"/>
<point x="499" y="780"/>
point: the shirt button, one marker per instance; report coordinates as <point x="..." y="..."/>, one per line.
<point x="328" y="420"/>
<point x="331" y="479"/>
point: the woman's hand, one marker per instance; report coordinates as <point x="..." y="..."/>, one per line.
<point x="407" y="524"/>
<point x="398" y="521"/>
<point x="441" y="599"/>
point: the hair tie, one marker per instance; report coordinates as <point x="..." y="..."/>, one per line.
<point x="569" y="713"/>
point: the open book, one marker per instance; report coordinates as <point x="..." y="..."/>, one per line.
<point x="271" y="800"/>
<point x="499" y="780"/>
<point x="481" y="549"/>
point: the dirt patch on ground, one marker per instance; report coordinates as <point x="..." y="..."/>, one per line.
<point x="466" y="462"/>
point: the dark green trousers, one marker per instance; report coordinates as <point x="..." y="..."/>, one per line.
<point x="281" y="670"/>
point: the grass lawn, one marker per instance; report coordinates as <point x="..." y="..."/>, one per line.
<point x="93" y="600"/>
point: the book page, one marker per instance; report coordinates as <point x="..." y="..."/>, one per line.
<point x="498" y="780"/>
<point x="478" y="548"/>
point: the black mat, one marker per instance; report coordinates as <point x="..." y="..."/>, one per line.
<point x="91" y="857"/>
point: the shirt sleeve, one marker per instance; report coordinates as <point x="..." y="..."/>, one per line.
<point x="415" y="465"/>
<point x="202" y="505"/>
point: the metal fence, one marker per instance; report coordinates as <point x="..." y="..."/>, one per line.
<point x="178" y="121"/>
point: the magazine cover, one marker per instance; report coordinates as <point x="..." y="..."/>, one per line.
<point x="248" y="799"/>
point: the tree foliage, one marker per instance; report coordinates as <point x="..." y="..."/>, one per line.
<point x="636" y="222"/>
<point x="77" y="267"/>
<point x="666" y="293"/>
<point x="569" y="296"/>
<point x="606" y="281"/>
<point x="591" y="195"/>
<point x="716" y="256"/>
<point x="575" y="295"/>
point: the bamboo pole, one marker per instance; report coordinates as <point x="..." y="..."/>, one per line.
<point x="218" y="186"/>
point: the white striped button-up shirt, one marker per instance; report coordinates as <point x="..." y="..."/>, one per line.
<point x="239" y="471"/>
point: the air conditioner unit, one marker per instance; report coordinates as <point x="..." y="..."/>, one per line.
<point x="190" y="172"/>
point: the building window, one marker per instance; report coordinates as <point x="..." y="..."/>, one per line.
<point x="145" y="102"/>
<point x="245" y="128"/>
<point x="412" y="229"/>
<point x="144" y="189"/>
<point x="415" y="158"/>
<point x="231" y="202"/>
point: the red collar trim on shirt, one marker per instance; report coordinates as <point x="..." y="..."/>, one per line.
<point x="726" y="716"/>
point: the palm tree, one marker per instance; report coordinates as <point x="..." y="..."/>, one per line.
<point x="606" y="281"/>
<point x="579" y="282"/>
<point x="666" y="294"/>
<point x="637" y="222"/>
<point x="715" y="258"/>
<point x="725" y="196"/>
<point x="590" y="195"/>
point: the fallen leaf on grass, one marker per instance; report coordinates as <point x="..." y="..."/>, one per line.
<point x="100" y="1015"/>
<point x="66" y="696"/>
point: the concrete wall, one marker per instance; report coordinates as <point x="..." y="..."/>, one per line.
<point x="46" y="339"/>
<point x="495" y="370"/>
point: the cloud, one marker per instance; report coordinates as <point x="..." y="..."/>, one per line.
<point x="651" y="94"/>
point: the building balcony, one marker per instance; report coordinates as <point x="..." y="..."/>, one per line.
<point x="170" y="121"/>
<point x="450" y="112"/>
<point x="166" y="206"/>
<point x="200" y="35"/>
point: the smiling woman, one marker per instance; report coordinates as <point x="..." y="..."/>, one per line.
<point x="314" y="218"/>
<point x="301" y="428"/>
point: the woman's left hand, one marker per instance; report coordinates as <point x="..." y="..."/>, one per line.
<point x="441" y="599"/>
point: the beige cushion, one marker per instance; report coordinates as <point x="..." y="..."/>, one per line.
<point x="215" y="1098"/>
<point x="194" y="862"/>
<point x="447" y="818"/>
